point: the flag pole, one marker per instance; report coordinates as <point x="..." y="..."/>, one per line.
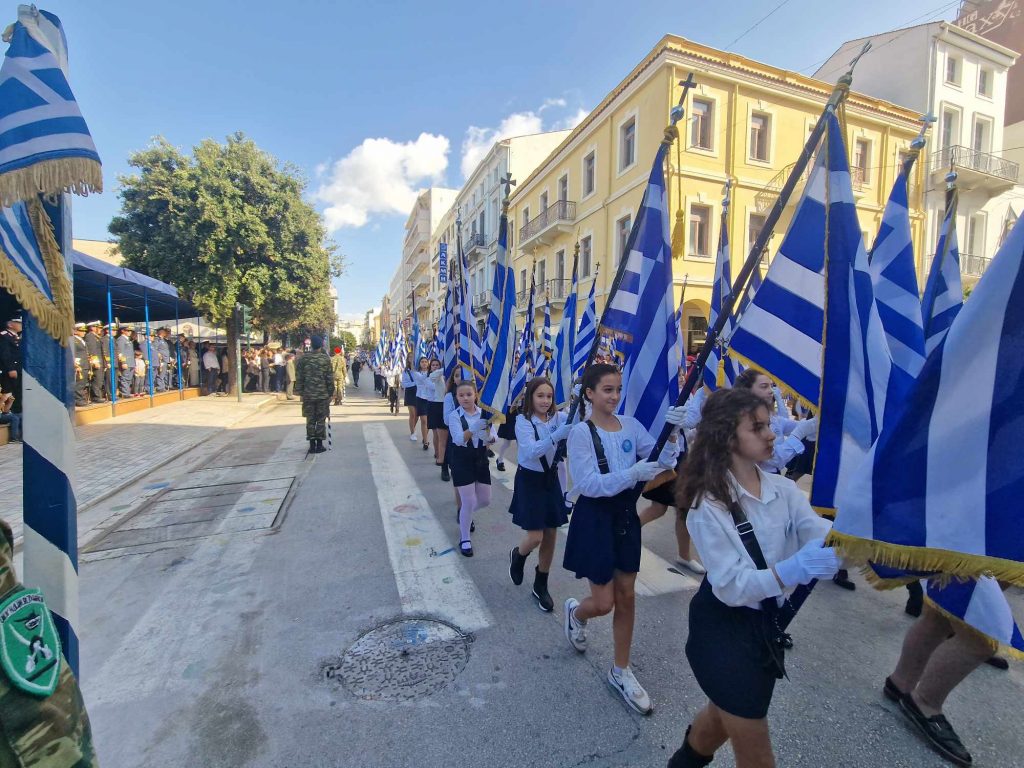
<point x="839" y="94"/>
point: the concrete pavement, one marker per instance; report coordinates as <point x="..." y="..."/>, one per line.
<point x="331" y="637"/>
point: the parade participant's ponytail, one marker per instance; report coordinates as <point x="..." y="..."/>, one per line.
<point x="593" y="375"/>
<point x="709" y="457"/>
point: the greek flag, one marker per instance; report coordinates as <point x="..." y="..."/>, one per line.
<point x="587" y="333"/>
<point x="779" y="328"/>
<point x="642" y="310"/>
<point x="982" y="605"/>
<point x="943" y="293"/>
<point x="857" y="362"/>
<point x="446" y="329"/>
<point x="382" y="346"/>
<point x="940" y="489"/>
<point x="494" y="392"/>
<point x="469" y="338"/>
<point x="45" y="146"/>
<point x="752" y="287"/>
<point x="565" y="346"/>
<point x="544" y="352"/>
<point x="433" y="353"/>
<point x="422" y="351"/>
<point x="524" y="367"/>
<point x="718" y="365"/>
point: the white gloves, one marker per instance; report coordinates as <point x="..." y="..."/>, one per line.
<point x="813" y="561"/>
<point x="560" y="433"/>
<point x="806" y="429"/>
<point x="643" y="471"/>
<point x="477" y="426"/>
<point x="675" y="415"/>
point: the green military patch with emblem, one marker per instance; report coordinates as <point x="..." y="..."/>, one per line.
<point x="29" y="645"/>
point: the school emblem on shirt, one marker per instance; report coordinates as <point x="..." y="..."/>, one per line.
<point x="29" y="646"/>
<point x="627" y="445"/>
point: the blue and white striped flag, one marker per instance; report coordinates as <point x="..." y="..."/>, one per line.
<point x="943" y="292"/>
<point x="45" y="145"/>
<point x="642" y="310"/>
<point x="565" y="345"/>
<point x="544" y="351"/>
<point x="940" y="489"/>
<point x="719" y="365"/>
<point x="470" y="353"/>
<point x="501" y="330"/>
<point x="983" y="605"/>
<point x="433" y="352"/>
<point x="447" y="329"/>
<point x="587" y="333"/>
<point x="779" y="330"/>
<point x="524" y="367"/>
<point x="856" y="363"/>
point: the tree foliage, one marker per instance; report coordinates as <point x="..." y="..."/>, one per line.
<point x="228" y="224"/>
<point x="344" y="339"/>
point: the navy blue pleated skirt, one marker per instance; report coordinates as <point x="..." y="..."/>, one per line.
<point x="468" y="465"/>
<point x="409" y="398"/>
<point x="537" y="501"/>
<point x="604" y="537"/>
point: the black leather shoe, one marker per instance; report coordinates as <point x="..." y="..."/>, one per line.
<point x="515" y="566"/>
<point x="892" y="693"/>
<point x="842" y="579"/>
<point x="937" y="732"/>
<point x="915" y="599"/>
<point x="998" y="662"/>
<point x="687" y="757"/>
<point x="466" y="548"/>
<point x="445" y="475"/>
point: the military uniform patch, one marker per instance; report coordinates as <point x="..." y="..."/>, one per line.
<point x="29" y="645"/>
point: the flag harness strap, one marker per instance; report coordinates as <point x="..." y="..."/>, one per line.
<point x="602" y="459"/>
<point x="543" y="458"/>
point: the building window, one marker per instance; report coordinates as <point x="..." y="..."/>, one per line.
<point x="543" y="201"/>
<point x="755" y="224"/>
<point x="981" y="140"/>
<point x="481" y="221"/>
<point x="586" y="250"/>
<point x="700" y="231"/>
<point x="700" y="127"/>
<point x="985" y="82"/>
<point x="950" y="128"/>
<point x="589" y="173"/>
<point x="976" y="234"/>
<point x="622" y="227"/>
<point x="542" y="272"/>
<point x="563" y="187"/>
<point x="696" y="333"/>
<point x="861" y="170"/>
<point x="560" y="265"/>
<point x="522" y="280"/>
<point x="952" y="70"/>
<point x="760" y="128"/>
<point x="627" y="144"/>
<point x="526" y="215"/>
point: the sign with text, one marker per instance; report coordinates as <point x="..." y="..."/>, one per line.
<point x="442" y="263"/>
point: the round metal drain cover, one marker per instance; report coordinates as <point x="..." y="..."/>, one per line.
<point x="402" y="660"/>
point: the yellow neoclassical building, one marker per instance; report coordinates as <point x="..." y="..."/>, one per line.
<point x="745" y="121"/>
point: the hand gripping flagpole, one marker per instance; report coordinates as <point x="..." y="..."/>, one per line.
<point x="837" y="97"/>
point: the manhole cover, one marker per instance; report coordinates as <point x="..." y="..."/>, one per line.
<point x="402" y="660"/>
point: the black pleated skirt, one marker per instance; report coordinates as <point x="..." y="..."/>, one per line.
<point x="537" y="501"/>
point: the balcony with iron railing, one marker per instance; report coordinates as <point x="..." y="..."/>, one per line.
<point x="557" y="217"/>
<point x="557" y="289"/>
<point x="977" y="170"/>
<point x="482" y="303"/>
<point x="971" y="264"/>
<point x="765" y="198"/>
<point x="474" y="241"/>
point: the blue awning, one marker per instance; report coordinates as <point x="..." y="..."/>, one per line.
<point x="130" y="291"/>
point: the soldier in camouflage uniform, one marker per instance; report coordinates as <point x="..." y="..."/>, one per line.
<point x="340" y="367"/>
<point x="50" y="732"/>
<point x="314" y="383"/>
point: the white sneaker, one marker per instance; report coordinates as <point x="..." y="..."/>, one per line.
<point x="575" y="630"/>
<point x="634" y="694"/>
<point x="694" y="566"/>
<point x="412" y="438"/>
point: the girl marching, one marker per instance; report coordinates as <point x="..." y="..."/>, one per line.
<point x="409" y="397"/>
<point x="471" y="473"/>
<point x="607" y="462"/>
<point x="435" y="415"/>
<point x="759" y="539"/>
<point x="538" y="506"/>
<point x="424" y="390"/>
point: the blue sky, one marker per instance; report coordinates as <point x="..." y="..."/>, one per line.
<point x="376" y="100"/>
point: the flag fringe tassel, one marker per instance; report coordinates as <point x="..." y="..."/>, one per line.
<point x="956" y="621"/>
<point x="80" y="175"/>
<point x="55" y="317"/>
<point x="782" y="385"/>
<point x="942" y="561"/>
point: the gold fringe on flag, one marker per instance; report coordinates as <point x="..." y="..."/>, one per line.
<point x="56" y="317"/>
<point x="80" y="175"/>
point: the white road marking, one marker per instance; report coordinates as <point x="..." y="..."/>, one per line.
<point x="654" y="578"/>
<point x="428" y="571"/>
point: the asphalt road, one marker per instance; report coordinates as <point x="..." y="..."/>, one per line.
<point x="227" y="600"/>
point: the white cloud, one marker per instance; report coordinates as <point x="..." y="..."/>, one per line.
<point x="380" y="176"/>
<point x="573" y="120"/>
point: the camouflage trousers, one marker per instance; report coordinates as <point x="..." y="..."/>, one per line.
<point x="316" y="412"/>
<point x="339" y="390"/>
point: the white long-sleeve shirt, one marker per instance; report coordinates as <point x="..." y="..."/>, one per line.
<point x="623" y="449"/>
<point x="437" y="392"/>
<point x="409" y="380"/>
<point x="449" y="405"/>
<point x="424" y="386"/>
<point x="454" y="422"/>
<point x="783" y="522"/>
<point x="530" y="449"/>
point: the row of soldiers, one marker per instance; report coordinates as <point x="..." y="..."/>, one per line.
<point x="92" y="353"/>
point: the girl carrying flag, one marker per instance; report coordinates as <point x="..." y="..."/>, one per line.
<point x="471" y="433"/>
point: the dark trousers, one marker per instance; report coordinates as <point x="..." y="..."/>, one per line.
<point x="264" y="380"/>
<point x="96" y="387"/>
<point x="355" y="377"/>
<point x="124" y="382"/>
<point x="210" y="382"/>
<point x="81" y="398"/>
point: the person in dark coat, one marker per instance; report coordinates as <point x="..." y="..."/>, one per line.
<point x="10" y="361"/>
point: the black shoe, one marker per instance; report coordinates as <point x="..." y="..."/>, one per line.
<point x="786" y="640"/>
<point x="892" y="693"/>
<point x="998" y="662"/>
<point x="320" y="448"/>
<point x="425" y="446"/>
<point x="466" y="548"/>
<point x="500" y="465"/>
<point x="687" y="757"/>
<point x="842" y="579"/>
<point x="515" y="566"/>
<point x="937" y="732"/>
<point x="312" y="446"/>
<point x="915" y="599"/>
<point x="540" y="591"/>
<point x="490" y="454"/>
<point x="445" y="474"/>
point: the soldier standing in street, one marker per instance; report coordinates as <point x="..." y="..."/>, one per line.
<point x="162" y="352"/>
<point x="10" y="360"/>
<point x="314" y="382"/>
<point x="82" y="368"/>
<point x="125" y="351"/>
<point x="95" y="373"/>
<point x="340" y="368"/>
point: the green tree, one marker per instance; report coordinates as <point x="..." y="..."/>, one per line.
<point x="228" y="225"/>
<point x="344" y="339"/>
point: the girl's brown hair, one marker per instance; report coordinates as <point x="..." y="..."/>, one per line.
<point x="532" y="386"/>
<point x="593" y="375"/>
<point x="710" y="455"/>
<point x="748" y="378"/>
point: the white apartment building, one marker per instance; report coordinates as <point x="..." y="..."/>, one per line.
<point x="479" y="205"/>
<point x="961" y="79"/>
